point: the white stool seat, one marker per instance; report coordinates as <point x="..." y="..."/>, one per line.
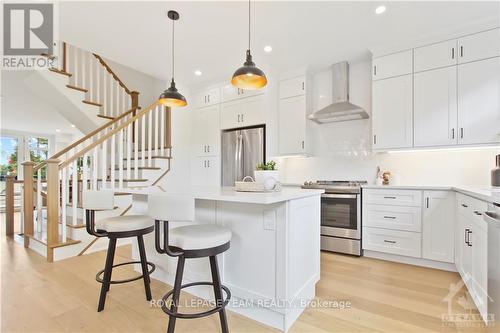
<point x="124" y="223"/>
<point x="199" y="236"/>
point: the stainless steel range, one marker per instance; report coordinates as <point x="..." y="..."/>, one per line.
<point x="340" y="215"/>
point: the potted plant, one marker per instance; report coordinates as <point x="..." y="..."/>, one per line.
<point x="267" y="174"/>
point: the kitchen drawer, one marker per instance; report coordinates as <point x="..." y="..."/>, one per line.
<point x="392" y="197"/>
<point x="464" y="205"/>
<point x="404" y="218"/>
<point x="404" y="243"/>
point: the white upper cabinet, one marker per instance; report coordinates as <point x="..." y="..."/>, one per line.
<point x="205" y="171"/>
<point x="435" y="107"/>
<point x="292" y="125"/>
<point x="479" y="102"/>
<point x="230" y="93"/>
<point x="207" y="97"/>
<point x="243" y="112"/>
<point x="438" y="241"/>
<point x="435" y="56"/>
<point x="206" y="131"/>
<point x="293" y="87"/>
<point x="391" y="65"/>
<point x="392" y="113"/>
<point x="479" y="46"/>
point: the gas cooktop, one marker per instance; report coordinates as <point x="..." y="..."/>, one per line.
<point x="336" y="186"/>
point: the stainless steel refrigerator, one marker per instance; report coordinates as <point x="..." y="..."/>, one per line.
<point x="242" y="150"/>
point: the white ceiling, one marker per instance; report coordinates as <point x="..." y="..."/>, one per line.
<point x="212" y="36"/>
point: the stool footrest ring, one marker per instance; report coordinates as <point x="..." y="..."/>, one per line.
<point x="99" y="274"/>
<point x="216" y="309"/>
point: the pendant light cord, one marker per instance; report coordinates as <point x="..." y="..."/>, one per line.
<point x="249" y="13"/>
<point x="173" y="56"/>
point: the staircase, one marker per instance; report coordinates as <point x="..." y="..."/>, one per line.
<point x="130" y="150"/>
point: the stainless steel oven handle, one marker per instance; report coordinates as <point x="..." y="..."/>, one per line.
<point x="339" y="196"/>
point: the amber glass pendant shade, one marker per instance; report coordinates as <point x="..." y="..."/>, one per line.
<point x="249" y="77"/>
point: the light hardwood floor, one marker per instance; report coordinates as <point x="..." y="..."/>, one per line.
<point x="62" y="297"/>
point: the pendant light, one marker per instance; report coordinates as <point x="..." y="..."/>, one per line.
<point x="249" y="76"/>
<point x="171" y="97"/>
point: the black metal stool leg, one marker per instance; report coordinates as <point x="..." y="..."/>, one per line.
<point x="218" y="293"/>
<point x="107" y="273"/>
<point x="177" y="292"/>
<point x="144" y="264"/>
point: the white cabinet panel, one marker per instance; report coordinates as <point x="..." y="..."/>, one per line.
<point x="393" y="217"/>
<point x="243" y="112"/>
<point x="438" y="226"/>
<point x="479" y="102"/>
<point x="292" y="125"/>
<point x="230" y="93"/>
<point x="435" y="107"/>
<point x="479" y="46"/>
<point x="392" y="113"/>
<point x="206" y="131"/>
<point x="478" y="240"/>
<point x="391" y="65"/>
<point x="207" y="97"/>
<point x="293" y="87"/>
<point x="403" y="243"/>
<point x="205" y="171"/>
<point x="392" y="197"/>
<point x="435" y="56"/>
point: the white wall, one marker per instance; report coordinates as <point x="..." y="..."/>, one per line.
<point x="343" y="151"/>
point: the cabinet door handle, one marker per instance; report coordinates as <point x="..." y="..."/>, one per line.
<point x="375" y="70"/>
<point x="477" y="213"/>
<point x="452" y="53"/>
<point x="461" y="132"/>
<point x="205" y="149"/>
<point x="208" y="98"/>
<point x="427" y="202"/>
<point x="461" y="51"/>
<point x="303" y="86"/>
<point x="389" y="197"/>
<point x="464" y="205"/>
<point x="302" y="144"/>
<point x="390" y="217"/>
<point x="205" y="163"/>
<point x="466" y="236"/>
<point x="469" y="232"/>
<point x="242" y="120"/>
<point x="375" y="139"/>
<point x="208" y="149"/>
<point x="453" y="133"/>
<point x="389" y="241"/>
<point x="238" y="118"/>
<point x="205" y="98"/>
<point x="208" y="163"/>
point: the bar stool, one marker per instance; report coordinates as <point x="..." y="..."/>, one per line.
<point x="114" y="228"/>
<point x="186" y="242"/>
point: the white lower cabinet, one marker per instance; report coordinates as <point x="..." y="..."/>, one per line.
<point x="438" y="226"/>
<point x="398" y="242"/>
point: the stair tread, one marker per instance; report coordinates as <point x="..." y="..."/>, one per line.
<point x="140" y="168"/>
<point x="105" y="117"/>
<point x="76" y="88"/>
<point x="80" y="206"/>
<point x="41" y="237"/>
<point x="59" y="71"/>
<point x="153" y="157"/>
<point x="92" y="103"/>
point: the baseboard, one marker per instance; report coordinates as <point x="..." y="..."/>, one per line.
<point x="411" y="261"/>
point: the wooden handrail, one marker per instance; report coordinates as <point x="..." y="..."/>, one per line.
<point x="85" y="138"/>
<point x="110" y="71"/>
<point x="107" y="136"/>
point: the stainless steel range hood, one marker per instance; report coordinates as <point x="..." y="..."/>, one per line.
<point x="340" y="109"/>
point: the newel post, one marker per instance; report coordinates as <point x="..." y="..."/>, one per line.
<point x="28" y="204"/>
<point x="9" y="205"/>
<point x="134" y="95"/>
<point x="52" y="207"/>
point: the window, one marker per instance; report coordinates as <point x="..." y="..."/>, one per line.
<point x="39" y="151"/>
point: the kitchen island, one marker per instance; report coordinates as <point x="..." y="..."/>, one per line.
<point x="273" y="263"/>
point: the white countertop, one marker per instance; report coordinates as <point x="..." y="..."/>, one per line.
<point x="488" y="194"/>
<point x="230" y="195"/>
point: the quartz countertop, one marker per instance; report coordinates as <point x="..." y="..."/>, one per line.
<point x="489" y="194"/>
<point x="229" y="194"/>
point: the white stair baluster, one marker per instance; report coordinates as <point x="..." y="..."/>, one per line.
<point x="120" y="158"/>
<point x="74" y="65"/>
<point x="98" y="83"/>
<point x="74" y="194"/>
<point x="39" y="202"/>
<point x="150" y="137"/>
<point x="129" y="149"/>
<point x="136" y="148"/>
<point x="94" y="168"/>
<point x="143" y="141"/>
<point x="103" y="164"/>
<point x="64" y="202"/>
<point x="109" y="94"/>
<point x="156" y="137"/>
<point x="112" y="161"/>
<point x="85" y="170"/>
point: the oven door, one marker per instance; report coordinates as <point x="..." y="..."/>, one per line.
<point x="340" y="215"/>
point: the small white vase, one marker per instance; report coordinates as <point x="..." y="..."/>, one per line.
<point x="270" y="178"/>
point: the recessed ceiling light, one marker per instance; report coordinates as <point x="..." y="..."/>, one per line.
<point x="197" y="73"/>
<point x="58" y="130"/>
<point x="268" y="48"/>
<point x="380" y="9"/>
<point x="73" y="126"/>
